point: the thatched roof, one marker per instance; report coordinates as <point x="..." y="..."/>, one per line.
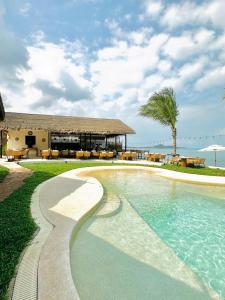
<point x="2" y="110"/>
<point x="64" y="124"/>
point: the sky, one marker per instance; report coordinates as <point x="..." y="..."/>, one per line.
<point x="105" y="58"/>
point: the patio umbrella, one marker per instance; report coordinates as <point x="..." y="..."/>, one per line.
<point x="212" y="148"/>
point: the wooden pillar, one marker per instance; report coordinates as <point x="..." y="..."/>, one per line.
<point x="49" y="139"/>
<point x="115" y="144"/>
<point x="90" y="141"/>
<point x="125" y="136"/>
<point x="85" y="142"/>
<point x="106" y="142"/>
<point x="1" y="137"/>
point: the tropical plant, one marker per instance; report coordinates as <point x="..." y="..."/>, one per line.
<point x="162" y="107"/>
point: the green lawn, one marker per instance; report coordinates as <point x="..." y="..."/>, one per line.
<point x="17" y="226"/>
<point x="196" y="170"/>
<point x="3" y="172"/>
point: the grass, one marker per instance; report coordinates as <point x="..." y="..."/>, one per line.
<point x="17" y="225"/>
<point x="194" y="170"/>
<point x="3" y="172"/>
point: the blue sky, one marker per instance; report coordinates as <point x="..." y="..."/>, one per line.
<point x="104" y="58"/>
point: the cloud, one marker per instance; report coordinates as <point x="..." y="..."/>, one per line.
<point x="68" y="90"/>
<point x="213" y="78"/>
<point x="54" y="72"/>
<point x="153" y="8"/>
<point x="124" y="65"/>
<point x="192" y="13"/>
<point x="189" y="43"/>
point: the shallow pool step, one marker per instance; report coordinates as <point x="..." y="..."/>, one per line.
<point x="111" y="206"/>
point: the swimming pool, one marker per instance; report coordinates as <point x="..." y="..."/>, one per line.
<point x="152" y="238"/>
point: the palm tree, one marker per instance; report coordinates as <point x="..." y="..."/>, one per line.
<point x="162" y="107"/>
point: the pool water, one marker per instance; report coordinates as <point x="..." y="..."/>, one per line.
<point x="166" y="240"/>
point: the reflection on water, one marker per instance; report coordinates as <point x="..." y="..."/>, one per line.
<point x="189" y="218"/>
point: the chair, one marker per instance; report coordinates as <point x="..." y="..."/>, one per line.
<point x="95" y="154"/>
<point x="79" y="154"/>
<point x="25" y="153"/>
<point x="55" y="154"/>
<point x="9" y="154"/>
<point x="102" y="155"/>
<point x="134" y="155"/>
<point x="87" y="154"/>
<point x="17" y="154"/>
<point x="109" y="154"/>
<point x="65" y="153"/>
<point x="147" y="155"/>
<point x="71" y="153"/>
<point x="175" y="160"/>
<point x="46" y="154"/>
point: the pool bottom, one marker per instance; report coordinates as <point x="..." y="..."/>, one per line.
<point x="120" y="257"/>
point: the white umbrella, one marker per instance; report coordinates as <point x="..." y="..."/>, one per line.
<point x="214" y="148"/>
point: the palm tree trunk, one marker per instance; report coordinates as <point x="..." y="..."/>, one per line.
<point x="174" y="135"/>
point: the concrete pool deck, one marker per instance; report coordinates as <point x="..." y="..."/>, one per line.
<point x="59" y="205"/>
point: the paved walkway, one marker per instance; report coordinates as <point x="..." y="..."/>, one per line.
<point x="14" y="179"/>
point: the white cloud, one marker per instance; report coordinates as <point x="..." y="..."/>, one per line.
<point x="192" y="13"/>
<point x="190" y="71"/>
<point x="56" y="74"/>
<point x="164" y="66"/>
<point x="123" y="66"/>
<point x="153" y="7"/>
<point x="213" y="78"/>
<point x="189" y="43"/>
<point x="138" y="37"/>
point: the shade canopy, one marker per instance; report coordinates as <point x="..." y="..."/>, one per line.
<point x="212" y="148"/>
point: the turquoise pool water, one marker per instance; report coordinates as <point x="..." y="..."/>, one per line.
<point x="166" y="236"/>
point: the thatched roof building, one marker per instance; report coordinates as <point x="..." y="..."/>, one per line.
<point x="64" y="124"/>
